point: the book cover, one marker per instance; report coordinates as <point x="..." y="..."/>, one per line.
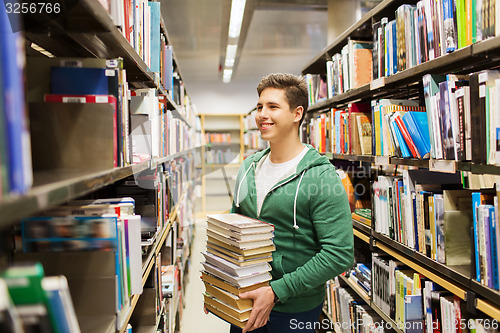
<point x="224" y="285"/>
<point x="449" y="26"/>
<point x="416" y="123"/>
<point x="431" y="88"/>
<point x="407" y="137"/>
<point x="360" y="63"/>
<point x="231" y="299"/>
<point x="240" y="282"/>
<point x="155" y="36"/>
<point x="59" y="297"/>
<point x="12" y="61"/>
<point x="235" y="258"/>
<point x="221" y="314"/>
<point x="243" y="245"/>
<point x="11" y="322"/>
<point x="235" y="270"/>
<point x="245" y="252"/>
<point x="239" y="223"/>
<point x="375" y="50"/>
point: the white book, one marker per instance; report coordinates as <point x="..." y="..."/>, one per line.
<point x="134" y="252"/>
<point x="239" y="282"/>
<point x="60" y="301"/>
<point x="235" y="270"/>
<point x="238" y="236"/>
<point x="240" y="223"/>
<point x="244" y="245"/>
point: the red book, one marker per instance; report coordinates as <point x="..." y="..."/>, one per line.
<point x="406" y="136"/>
<point x="104" y="99"/>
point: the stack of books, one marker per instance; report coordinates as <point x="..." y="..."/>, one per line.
<point x="236" y="261"/>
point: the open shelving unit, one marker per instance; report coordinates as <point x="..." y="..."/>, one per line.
<point x="85" y="29"/>
<point x="407" y="84"/>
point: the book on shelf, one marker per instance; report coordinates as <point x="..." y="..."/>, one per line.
<point x="15" y="158"/>
<point x="9" y="318"/>
<point x="30" y="298"/>
<point x="57" y="290"/>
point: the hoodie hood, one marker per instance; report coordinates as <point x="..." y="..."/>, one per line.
<point x="310" y="160"/>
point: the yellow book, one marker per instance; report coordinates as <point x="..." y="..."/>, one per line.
<point x="239" y="315"/>
<point x="228" y="298"/>
<point x="229" y="287"/>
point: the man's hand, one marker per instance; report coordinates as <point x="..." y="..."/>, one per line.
<point x="263" y="303"/>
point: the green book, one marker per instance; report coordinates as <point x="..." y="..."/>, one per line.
<point x="24" y="282"/>
<point x="474" y="27"/>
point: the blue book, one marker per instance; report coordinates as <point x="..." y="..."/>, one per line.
<point x="403" y="146"/>
<point x="494" y="248"/>
<point x="75" y="233"/>
<point x="155" y="43"/>
<point x="17" y="134"/>
<point x="476" y="201"/>
<point x="414" y="314"/>
<point x="79" y="81"/>
<point x="449" y="26"/>
<point x="417" y="125"/>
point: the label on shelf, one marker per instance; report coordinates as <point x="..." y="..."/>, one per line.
<point x="449" y="166"/>
<point x="378" y="83"/>
<point x="382" y="160"/>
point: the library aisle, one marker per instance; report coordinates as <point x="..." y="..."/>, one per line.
<point x="193" y="317"/>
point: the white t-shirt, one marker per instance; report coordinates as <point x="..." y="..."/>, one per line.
<point x="268" y="174"/>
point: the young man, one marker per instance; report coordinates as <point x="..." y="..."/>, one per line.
<point x="293" y="187"/>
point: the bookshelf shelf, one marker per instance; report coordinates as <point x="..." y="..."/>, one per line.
<point x="317" y="64"/>
<point x="88" y="30"/>
<point x="385" y="317"/>
<point x="459" y="274"/>
<point x="445" y="283"/>
<point x="366" y="230"/>
<point x="53" y="188"/>
<point x="480" y="289"/>
<point x="435" y="165"/>
<point x="335" y="324"/>
<point x="357" y="289"/>
<point x="148" y="263"/>
<point x="361" y="236"/>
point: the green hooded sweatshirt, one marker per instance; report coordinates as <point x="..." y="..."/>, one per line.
<point x="312" y="228"/>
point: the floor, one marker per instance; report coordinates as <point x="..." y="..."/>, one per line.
<point x="193" y="318"/>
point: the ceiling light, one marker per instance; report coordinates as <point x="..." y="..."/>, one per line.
<point x="40" y="49"/>
<point x="226" y="77"/>
<point x="236" y="18"/>
<point x="230" y="55"/>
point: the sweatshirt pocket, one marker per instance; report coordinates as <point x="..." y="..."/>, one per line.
<point x="277" y="266"/>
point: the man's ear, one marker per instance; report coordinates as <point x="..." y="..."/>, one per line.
<point x="299" y="111"/>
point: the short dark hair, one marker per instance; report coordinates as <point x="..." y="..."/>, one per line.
<point x="295" y="89"/>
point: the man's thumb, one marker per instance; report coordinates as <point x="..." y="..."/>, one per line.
<point x="245" y="295"/>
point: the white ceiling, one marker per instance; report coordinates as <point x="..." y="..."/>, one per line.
<point x="281" y="36"/>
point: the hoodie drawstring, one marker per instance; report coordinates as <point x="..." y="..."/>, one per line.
<point x="239" y="186"/>
<point x="295" y="202"/>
